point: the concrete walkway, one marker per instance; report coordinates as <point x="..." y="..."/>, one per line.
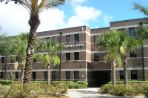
<point x="93" y="93"/>
<point x="83" y="93"/>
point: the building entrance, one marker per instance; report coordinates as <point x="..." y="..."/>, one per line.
<point x="98" y="78"/>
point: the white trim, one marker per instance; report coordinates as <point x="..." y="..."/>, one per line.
<point x="95" y="34"/>
<point x="70" y="61"/>
<point x="63" y="34"/>
<point x="133" y="68"/>
<point x="129" y="26"/>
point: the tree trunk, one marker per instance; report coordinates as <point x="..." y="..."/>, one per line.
<point x="113" y="73"/>
<point x="22" y="75"/>
<point x="125" y="73"/>
<point x="34" y="23"/>
<point x="49" y="75"/>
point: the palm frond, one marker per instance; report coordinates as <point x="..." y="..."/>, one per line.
<point x="141" y="8"/>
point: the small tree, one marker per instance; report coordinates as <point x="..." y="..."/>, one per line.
<point x="50" y="58"/>
<point x="34" y="7"/>
<point x="118" y="44"/>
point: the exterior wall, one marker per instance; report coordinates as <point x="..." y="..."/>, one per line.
<point x="86" y="48"/>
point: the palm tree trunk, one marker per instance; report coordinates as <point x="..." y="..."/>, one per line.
<point x="34" y="23"/>
<point x="113" y="73"/>
<point x="49" y="75"/>
<point x="125" y="73"/>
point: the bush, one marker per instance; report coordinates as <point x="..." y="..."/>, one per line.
<point x="18" y="90"/>
<point x="5" y="82"/>
<point x="72" y="84"/>
<point x="132" y="89"/>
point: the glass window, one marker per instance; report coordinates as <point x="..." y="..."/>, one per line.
<point x="76" y="74"/>
<point x="45" y="75"/>
<point x="16" y="75"/>
<point x="134" y="75"/>
<point x="96" y="56"/>
<point x="67" y="56"/>
<point x="33" y="75"/>
<point x="133" y="54"/>
<point x="132" y="32"/>
<point x="76" y="55"/>
<point x="76" y="36"/>
<point x="95" y="39"/>
<point x="68" y="39"/>
<point x="67" y="75"/>
<point x="1" y="75"/>
<point x="2" y="59"/>
<point x="121" y="72"/>
<point x="53" y="74"/>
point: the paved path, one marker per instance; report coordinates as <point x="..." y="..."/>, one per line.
<point x="83" y="93"/>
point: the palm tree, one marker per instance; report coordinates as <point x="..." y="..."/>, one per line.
<point x="118" y="44"/>
<point x="50" y="56"/>
<point x="34" y="7"/>
<point x="20" y="50"/>
<point x="142" y="32"/>
<point x="6" y="49"/>
<point x="110" y="41"/>
<point x="129" y="44"/>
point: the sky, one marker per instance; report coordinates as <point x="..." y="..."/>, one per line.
<point x="92" y="13"/>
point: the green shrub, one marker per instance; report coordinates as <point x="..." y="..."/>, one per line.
<point x="72" y="84"/>
<point x="5" y="82"/>
<point x="18" y="90"/>
<point x="132" y="89"/>
<point x="3" y="89"/>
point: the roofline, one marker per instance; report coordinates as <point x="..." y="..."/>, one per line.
<point x="129" y="20"/>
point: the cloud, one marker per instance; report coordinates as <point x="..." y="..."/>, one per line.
<point x="14" y="18"/>
<point x="77" y="2"/>
<point x="83" y="15"/>
<point x="51" y="19"/>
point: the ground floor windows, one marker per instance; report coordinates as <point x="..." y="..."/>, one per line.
<point x="1" y="75"/>
<point x="76" y="75"/>
<point x="121" y="72"/>
<point x="134" y="75"/>
<point x="33" y="75"/>
<point x="16" y="75"/>
<point x="45" y="75"/>
<point x="67" y="75"/>
<point x="53" y="75"/>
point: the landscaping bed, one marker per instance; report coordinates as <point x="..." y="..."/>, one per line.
<point x="134" y="88"/>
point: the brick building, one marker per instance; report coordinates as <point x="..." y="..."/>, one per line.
<point x="81" y="59"/>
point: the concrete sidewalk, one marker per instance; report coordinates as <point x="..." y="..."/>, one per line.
<point x="83" y="93"/>
<point x="93" y="93"/>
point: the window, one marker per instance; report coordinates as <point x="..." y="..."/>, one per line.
<point x="96" y="56"/>
<point x="132" y="32"/>
<point x="53" y="74"/>
<point x="133" y="54"/>
<point x="76" y="55"/>
<point x="68" y="39"/>
<point x="45" y="75"/>
<point x="121" y="72"/>
<point x="2" y="59"/>
<point x="16" y="75"/>
<point x="134" y="75"/>
<point x="1" y="75"/>
<point x="122" y="29"/>
<point x="95" y="39"/>
<point x="76" y="74"/>
<point x="67" y="75"/>
<point x="76" y="36"/>
<point x="67" y="56"/>
<point x="33" y="75"/>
